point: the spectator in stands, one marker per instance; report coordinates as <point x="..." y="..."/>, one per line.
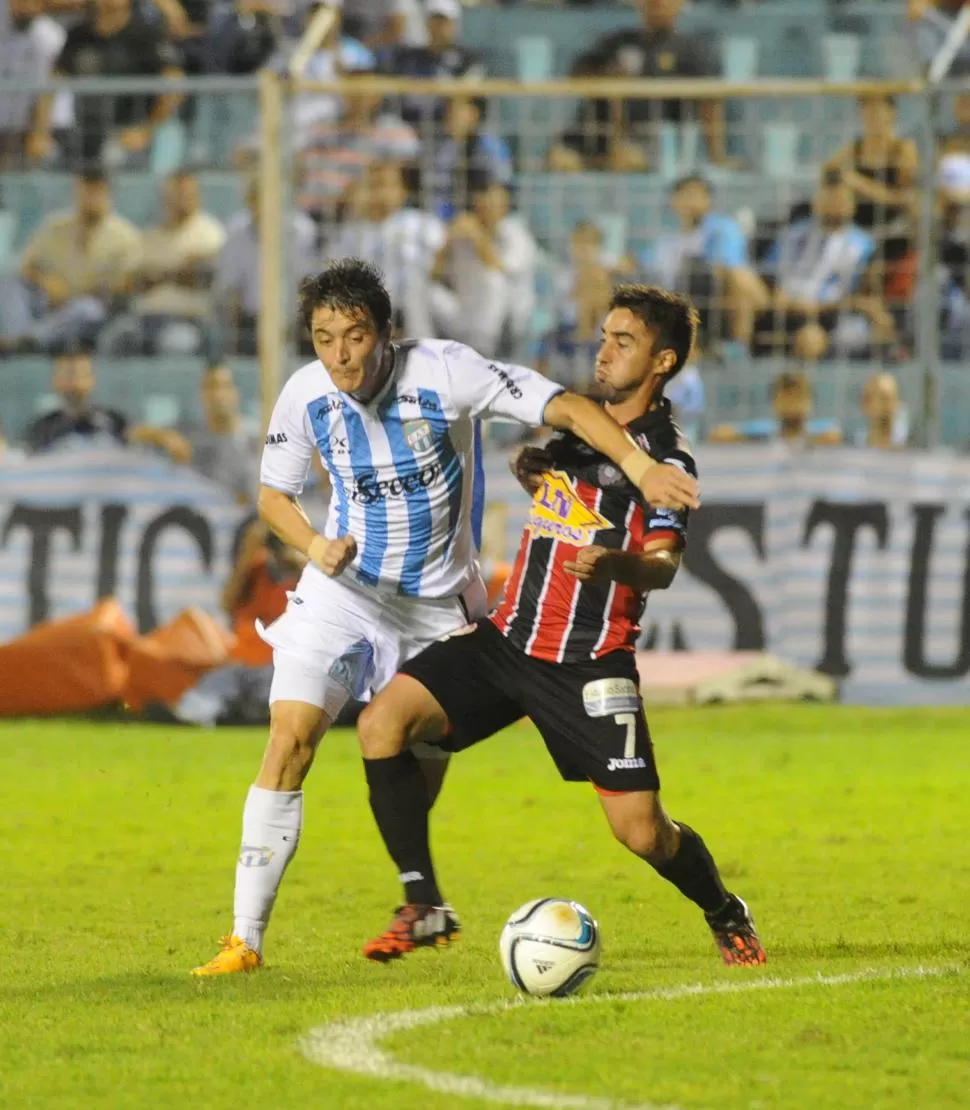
<point x="686" y="395"/>
<point x="484" y="290"/>
<point x="264" y="572"/>
<point x="9" y="453"/>
<point x="169" y="314"/>
<point x="880" y="168"/>
<point x="822" y="290"/>
<point x="30" y="42"/>
<point x="245" y="36"/>
<point x="582" y="291"/>
<point x="708" y="260"/>
<point x="380" y="24"/>
<point x="236" y="286"/>
<point x="465" y="152"/>
<point x="659" y="50"/>
<point x="222" y="446"/>
<point x="112" y="40"/>
<point x="442" y="58"/>
<point x="403" y="242"/>
<point x="78" y="417"/>
<point x="792" y="401"/>
<point x="957" y="141"/>
<point x="952" y="239"/>
<point x="337" y="153"/>
<point x="932" y="21"/>
<point x="887" y="423"/>
<point x="72" y="269"/>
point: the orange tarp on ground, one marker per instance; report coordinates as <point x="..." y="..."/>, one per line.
<point x="96" y="658"/>
<point x="173" y="658"/>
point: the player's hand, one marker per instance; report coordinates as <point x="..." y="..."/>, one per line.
<point x="667" y="487"/>
<point x="529" y="465"/>
<point x="332" y="556"/>
<point x="591" y="564"/>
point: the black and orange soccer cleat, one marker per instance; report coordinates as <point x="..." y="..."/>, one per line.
<point x="414" y="926"/>
<point x="735" y="936"/>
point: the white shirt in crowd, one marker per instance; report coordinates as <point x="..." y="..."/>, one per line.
<point x="403" y="246"/>
<point x="237" y="267"/>
<point x="480" y="303"/>
<point x="164" y="250"/>
<point x="28" y="57"/>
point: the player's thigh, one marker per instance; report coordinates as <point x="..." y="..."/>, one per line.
<point x="323" y="654"/>
<point x="409" y="625"/>
<point x="405" y="712"/>
<point x="468" y="675"/>
<point x="591" y="718"/>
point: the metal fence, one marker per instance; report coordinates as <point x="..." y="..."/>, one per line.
<point x="820" y="228"/>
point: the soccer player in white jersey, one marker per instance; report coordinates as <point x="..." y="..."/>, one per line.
<point x="395" y="568"/>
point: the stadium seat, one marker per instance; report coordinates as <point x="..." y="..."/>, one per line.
<point x="8" y="237"/>
<point x="168" y="148"/>
<point x="779" y="152"/>
<point x="534" y="58"/>
<point x="739" y="58"/>
<point x="841" y="55"/>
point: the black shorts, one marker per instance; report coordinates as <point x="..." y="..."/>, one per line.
<point x="589" y="714"/>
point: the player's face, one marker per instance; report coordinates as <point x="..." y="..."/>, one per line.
<point x="350" y="348"/>
<point x="626" y="359"/>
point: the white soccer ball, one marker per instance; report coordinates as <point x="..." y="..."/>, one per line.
<point x="550" y="946"/>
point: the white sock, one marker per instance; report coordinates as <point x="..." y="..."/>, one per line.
<point x="272" y="820"/>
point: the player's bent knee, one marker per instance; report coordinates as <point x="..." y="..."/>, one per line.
<point x="381" y="736"/>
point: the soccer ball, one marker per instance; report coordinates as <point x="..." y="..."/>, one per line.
<point x="550" y="946"/>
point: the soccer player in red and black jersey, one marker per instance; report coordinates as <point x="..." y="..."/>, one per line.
<point x="559" y="647"/>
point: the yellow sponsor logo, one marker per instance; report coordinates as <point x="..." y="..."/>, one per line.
<point x="558" y="513"/>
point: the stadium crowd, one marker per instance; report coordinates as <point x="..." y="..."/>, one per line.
<point x="428" y="188"/>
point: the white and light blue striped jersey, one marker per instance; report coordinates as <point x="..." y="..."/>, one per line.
<point x="402" y="467"/>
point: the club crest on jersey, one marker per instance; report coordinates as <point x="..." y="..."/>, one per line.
<point x="418" y="434"/>
<point x="558" y="513"/>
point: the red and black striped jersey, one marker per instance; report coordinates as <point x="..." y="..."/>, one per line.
<point x="584" y="500"/>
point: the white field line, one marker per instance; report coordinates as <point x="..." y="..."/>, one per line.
<point x="353" y="1045"/>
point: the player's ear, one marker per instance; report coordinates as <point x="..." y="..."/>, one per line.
<point x="665" y="361"/>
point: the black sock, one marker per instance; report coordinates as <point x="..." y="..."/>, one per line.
<point x="694" y="873"/>
<point x="399" y="802"/>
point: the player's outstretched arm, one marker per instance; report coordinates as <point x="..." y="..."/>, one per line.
<point x="662" y="484"/>
<point x="290" y="523"/>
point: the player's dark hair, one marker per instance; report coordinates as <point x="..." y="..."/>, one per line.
<point x="348" y="285"/>
<point x="670" y="316"/>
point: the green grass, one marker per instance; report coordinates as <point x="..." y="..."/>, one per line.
<point x="845" y="829"/>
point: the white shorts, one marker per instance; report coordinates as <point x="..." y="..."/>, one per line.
<point x="337" y="640"/>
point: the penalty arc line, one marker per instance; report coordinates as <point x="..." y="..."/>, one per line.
<point x="353" y="1045"/>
